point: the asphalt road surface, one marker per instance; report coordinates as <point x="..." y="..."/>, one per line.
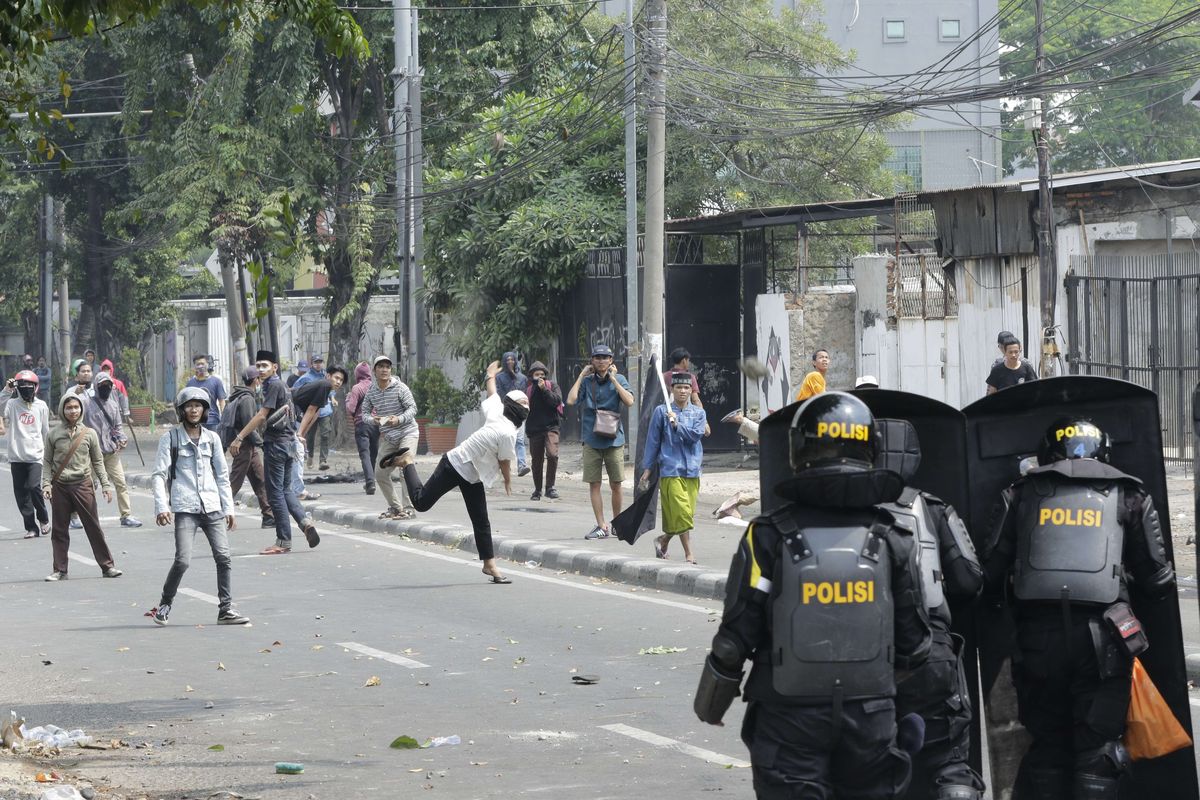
<point x="452" y="655"/>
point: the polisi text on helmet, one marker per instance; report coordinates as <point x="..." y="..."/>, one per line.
<point x="843" y="430"/>
<point x="1078" y="429"/>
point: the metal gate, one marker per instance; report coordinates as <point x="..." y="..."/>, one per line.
<point x="1141" y="329"/>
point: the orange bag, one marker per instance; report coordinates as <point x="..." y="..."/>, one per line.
<point x="1151" y="728"/>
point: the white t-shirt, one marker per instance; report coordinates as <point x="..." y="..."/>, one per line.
<point x="477" y="459"/>
<point x="28" y="427"/>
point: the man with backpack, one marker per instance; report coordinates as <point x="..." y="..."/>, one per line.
<point x="191" y="489"/>
<point x="102" y="413"/>
<point x="239" y="410"/>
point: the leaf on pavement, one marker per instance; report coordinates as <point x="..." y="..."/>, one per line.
<point x="219" y="748"/>
<point x="221" y="666"/>
<point x="373" y="681"/>
<point x="404" y="743"/>
<point x="660" y="650"/>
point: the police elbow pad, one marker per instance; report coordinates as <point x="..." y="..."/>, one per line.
<point x="918" y="656"/>
<point x="716" y="692"/>
<point x="1160" y="584"/>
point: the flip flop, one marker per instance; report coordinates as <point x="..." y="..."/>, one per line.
<point x="659" y="552"/>
<point x="496" y="578"/>
<point x="273" y="550"/>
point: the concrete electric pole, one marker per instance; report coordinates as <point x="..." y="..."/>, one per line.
<point x="1047" y="265"/>
<point x="402" y="49"/>
<point x="633" y="345"/>
<point x="654" y="300"/>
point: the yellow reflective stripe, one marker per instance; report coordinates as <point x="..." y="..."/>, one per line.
<point x="755" y="569"/>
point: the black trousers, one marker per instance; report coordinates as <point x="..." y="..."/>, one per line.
<point x="806" y="753"/>
<point x="937" y="690"/>
<point x="1071" y="703"/>
<point x="444" y="478"/>
<point x="366" y="439"/>
<point x="27" y="489"/>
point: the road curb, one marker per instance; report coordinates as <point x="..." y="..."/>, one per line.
<point x="633" y="570"/>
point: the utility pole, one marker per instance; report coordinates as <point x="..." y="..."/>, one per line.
<point x="54" y="235"/>
<point x="1047" y="265"/>
<point x="633" y="346"/>
<point x="401" y="47"/>
<point x="418" y="188"/>
<point x="656" y="155"/>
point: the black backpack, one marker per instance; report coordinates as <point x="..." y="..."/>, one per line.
<point x="228" y="429"/>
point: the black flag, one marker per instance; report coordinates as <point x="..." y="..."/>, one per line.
<point x="642" y="515"/>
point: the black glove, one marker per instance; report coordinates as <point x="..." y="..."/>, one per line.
<point x="715" y="693"/>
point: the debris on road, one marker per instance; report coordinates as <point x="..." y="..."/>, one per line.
<point x="288" y="768"/>
<point x="54" y="736"/>
<point x="10" y="734"/>
<point x="585" y="680"/>
<point x="660" y="650"/>
<point x="61" y="793"/>
<point x="374" y="680"/>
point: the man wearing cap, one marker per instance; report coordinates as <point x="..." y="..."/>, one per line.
<point x="673" y="446"/>
<point x="318" y="435"/>
<point x="243" y="405"/>
<point x="298" y="373"/>
<point x="389" y="405"/>
<point x="102" y="413"/>
<point x="866" y="382"/>
<point x="600" y="387"/>
<point x="278" y="419"/>
<point x="215" y="387"/>
<point x="366" y="435"/>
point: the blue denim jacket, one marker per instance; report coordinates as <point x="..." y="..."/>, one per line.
<point x="201" y="484"/>
<point x="677" y="451"/>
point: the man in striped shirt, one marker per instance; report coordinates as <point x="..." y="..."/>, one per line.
<point x="389" y="404"/>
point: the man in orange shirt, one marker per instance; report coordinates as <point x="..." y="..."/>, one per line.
<point x="814" y="382"/>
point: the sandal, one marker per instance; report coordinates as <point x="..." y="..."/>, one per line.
<point x="275" y="550"/>
<point x="660" y="551"/>
<point x="392" y="513"/>
<point x="497" y="578"/>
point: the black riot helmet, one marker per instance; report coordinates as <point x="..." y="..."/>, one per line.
<point x="833" y="431"/>
<point x="1072" y="437"/>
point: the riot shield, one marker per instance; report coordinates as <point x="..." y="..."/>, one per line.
<point x="774" y="455"/>
<point x="1008" y="426"/>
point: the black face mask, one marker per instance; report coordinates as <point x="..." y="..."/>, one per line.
<point x="515" y="412"/>
<point x="27" y="391"/>
<point x="104" y="391"/>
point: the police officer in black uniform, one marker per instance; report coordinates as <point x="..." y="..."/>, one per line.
<point x="1074" y="537"/>
<point x="950" y="572"/>
<point x="824" y="595"/>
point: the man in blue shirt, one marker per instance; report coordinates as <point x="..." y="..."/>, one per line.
<point x="215" y="388"/>
<point x="600" y="387"/>
<point x="673" y="445"/>
<point x="319" y="434"/>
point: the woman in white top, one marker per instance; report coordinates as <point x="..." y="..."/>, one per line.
<point x="474" y="466"/>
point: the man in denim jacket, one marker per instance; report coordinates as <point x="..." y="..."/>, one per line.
<point x="191" y="485"/>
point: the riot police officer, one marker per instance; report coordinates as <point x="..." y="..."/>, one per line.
<point x="824" y="595"/>
<point x="1072" y="536"/>
<point x="950" y="572"/>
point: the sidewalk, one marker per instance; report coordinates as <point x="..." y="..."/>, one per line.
<point x="547" y="532"/>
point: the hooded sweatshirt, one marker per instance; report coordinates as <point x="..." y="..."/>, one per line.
<point x="544" y="402"/>
<point x="85" y="463"/>
<point x="362" y="382"/>
<point x="244" y="409"/>
<point x="104" y="416"/>
<point x="510" y="378"/>
<point x="118" y="385"/>
<point x="28" y="426"/>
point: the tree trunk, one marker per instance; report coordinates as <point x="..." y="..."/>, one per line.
<point x="95" y="328"/>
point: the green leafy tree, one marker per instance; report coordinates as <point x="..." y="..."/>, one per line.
<point x="1099" y="118"/>
<point x="20" y="245"/>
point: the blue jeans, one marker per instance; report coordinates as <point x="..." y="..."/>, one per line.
<point x="279" y="458"/>
<point x="213" y="526"/>
<point x="521" y="447"/>
<point x="296" y="486"/>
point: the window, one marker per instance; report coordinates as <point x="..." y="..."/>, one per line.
<point x="893" y="30"/>
<point x="906" y="161"/>
<point x="950" y="29"/>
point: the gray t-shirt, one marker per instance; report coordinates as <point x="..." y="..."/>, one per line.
<point x="276" y="397"/>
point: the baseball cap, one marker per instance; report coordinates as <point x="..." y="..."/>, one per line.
<point x="302" y="364"/>
<point x="250" y="374"/>
<point x="866" y="382"/>
<point x="601" y="350"/>
<point x="379" y="360"/>
<point x="317" y="358"/>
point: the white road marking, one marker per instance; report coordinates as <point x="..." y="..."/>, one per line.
<point x="5" y="530"/>
<point x="207" y="598"/>
<point x="383" y="656"/>
<point x="672" y="744"/>
<point x="1194" y="701"/>
<point x="82" y="560"/>
<point x="530" y="575"/>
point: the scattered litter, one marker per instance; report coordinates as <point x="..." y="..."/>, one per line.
<point x="208" y="704"/>
<point x="47" y="777"/>
<point x="221" y="666"/>
<point x="10" y="734"/>
<point x="404" y="743"/>
<point x="374" y="680"/>
<point x="218" y="748"/>
<point x="585" y="680"/>
<point x="54" y="736"/>
<point x="533" y="564"/>
<point x="439" y="741"/>
<point x="288" y="768"/>
<point x="61" y="793"/>
<point x="660" y="650"/>
<point x="122" y="649"/>
<point x="512" y="641"/>
<point x="188" y="689"/>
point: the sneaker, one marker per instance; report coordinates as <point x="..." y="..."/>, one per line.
<point x="310" y="532"/>
<point x="75" y="523"/>
<point x="159" y="615"/>
<point x="130" y="522"/>
<point x="230" y="616"/>
<point x="536" y="495"/>
<point x="597" y="533"/>
<point x="522" y="472"/>
<point x="111" y="572"/>
<point x="552" y="493"/>
<point x="32" y="534"/>
<point x="56" y="576"/>
<point x="268" y="522"/>
<point x="369" y="487"/>
<point x="324" y="465"/>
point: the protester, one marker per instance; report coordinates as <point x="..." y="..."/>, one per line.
<point x="191" y="489"/>
<point x="866" y="382"/>
<point x="122" y="393"/>
<point x="299" y="371"/>
<point x="673" y="445"/>
<point x="545" y="410"/>
<point x="81" y="373"/>
<point x="511" y="378"/>
<point x="89" y="356"/>
<point x="319" y="434"/>
<point x="366" y="435"/>
<point x="681" y="362"/>
<point x="732" y="506"/>
<point x="211" y="384"/>
<point x="390" y="407"/>
<point x="239" y="410"/>
<point x="814" y="381"/>
<point x="42" y="370"/>
<point x="279" y="437"/>
<point x="604" y="389"/>
<point x="26" y="421"/>
<point x="1013" y="370"/>
<point x="72" y="461"/>
<point x="474" y="466"/>
<point x="102" y="413"/>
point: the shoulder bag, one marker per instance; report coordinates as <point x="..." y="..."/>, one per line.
<point x="70" y="452"/>
<point x="608" y="423"/>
